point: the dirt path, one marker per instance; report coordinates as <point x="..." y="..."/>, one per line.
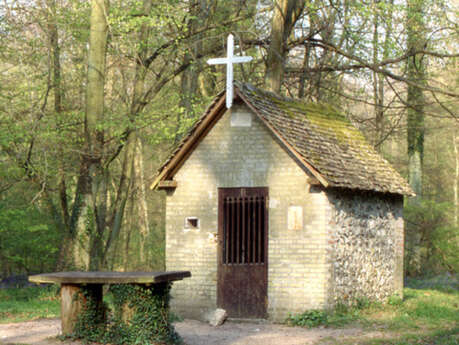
<point x="43" y="332"/>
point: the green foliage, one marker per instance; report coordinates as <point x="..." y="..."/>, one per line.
<point x="341" y="315"/>
<point x="310" y="318"/>
<point x="41" y="147"/>
<point x="91" y="325"/>
<point x="22" y="304"/>
<point x="28" y="240"/>
<point x="362" y="303"/>
<point x="139" y="315"/>
<point x="439" y="239"/>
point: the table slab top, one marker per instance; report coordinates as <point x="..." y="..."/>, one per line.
<point x="100" y="277"/>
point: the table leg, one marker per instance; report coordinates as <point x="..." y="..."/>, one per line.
<point x="73" y="301"/>
<point x="159" y="289"/>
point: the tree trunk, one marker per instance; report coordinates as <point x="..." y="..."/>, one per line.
<point x="304" y="74"/>
<point x="127" y="175"/>
<point x="286" y="13"/>
<point x="415" y="123"/>
<point x="141" y="201"/>
<point x="378" y="84"/>
<point x="189" y="79"/>
<point x="378" y="78"/>
<point x="416" y="73"/>
<point x="90" y="204"/>
<point x="80" y="220"/>
<point x="62" y="216"/>
<point x="456" y="179"/>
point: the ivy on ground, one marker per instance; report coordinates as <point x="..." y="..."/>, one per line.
<point x="140" y="315"/>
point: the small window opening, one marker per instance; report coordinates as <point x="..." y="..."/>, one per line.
<point x="192" y="223"/>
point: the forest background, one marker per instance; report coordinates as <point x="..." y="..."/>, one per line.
<point x="94" y="94"/>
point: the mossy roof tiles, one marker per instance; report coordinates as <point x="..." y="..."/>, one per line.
<point x="321" y="136"/>
<point x="327" y="141"/>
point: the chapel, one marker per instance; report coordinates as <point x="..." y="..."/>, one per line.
<point x="278" y="206"/>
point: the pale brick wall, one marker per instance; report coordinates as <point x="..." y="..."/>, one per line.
<point x="298" y="260"/>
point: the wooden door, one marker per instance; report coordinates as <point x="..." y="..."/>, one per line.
<point x="243" y="251"/>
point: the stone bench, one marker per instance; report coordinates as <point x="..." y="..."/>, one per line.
<point x="74" y="285"/>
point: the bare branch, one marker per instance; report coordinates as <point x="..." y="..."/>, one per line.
<point x="374" y="67"/>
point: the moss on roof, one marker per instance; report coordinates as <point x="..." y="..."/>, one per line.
<point x="327" y="140"/>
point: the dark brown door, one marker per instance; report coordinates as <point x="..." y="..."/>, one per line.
<point x="243" y="251"/>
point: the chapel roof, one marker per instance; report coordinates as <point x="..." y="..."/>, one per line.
<point x="322" y="140"/>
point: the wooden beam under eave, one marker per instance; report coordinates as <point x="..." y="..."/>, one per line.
<point x="313" y="181"/>
<point x="167" y="184"/>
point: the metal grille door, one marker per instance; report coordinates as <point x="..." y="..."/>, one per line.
<point x="243" y="229"/>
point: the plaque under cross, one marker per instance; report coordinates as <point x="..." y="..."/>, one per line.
<point x="229" y="60"/>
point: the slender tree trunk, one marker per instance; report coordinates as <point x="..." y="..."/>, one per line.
<point x="91" y="199"/>
<point x="416" y="72"/>
<point x="80" y="220"/>
<point x="189" y="79"/>
<point x="127" y="175"/>
<point x="128" y="264"/>
<point x="141" y="201"/>
<point x="415" y="123"/>
<point x="207" y="82"/>
<point x="456" y="179"/>
<point x="378" y="78"/>
<point x="55" y="70"/>
<point x="376" y="94"/>
<point x="304" y="74"/>
<point x="286" y="13"/>
<point x="327" y="33"/>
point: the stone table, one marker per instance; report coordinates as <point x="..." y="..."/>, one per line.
<point x="73" y="283"/>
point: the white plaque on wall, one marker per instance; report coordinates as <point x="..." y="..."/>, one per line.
<point x="295" y="218"/>
<point x="240" y="118"/>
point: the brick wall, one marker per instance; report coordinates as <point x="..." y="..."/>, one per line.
<point x="298" y="260"/>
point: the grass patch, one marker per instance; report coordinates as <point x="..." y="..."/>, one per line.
<point x="441" y="337"/>
<point x="425" y="316"/>
<point x="444" y="337"/>
<point x="430" y="309"/>
<point x="23" y="304"/>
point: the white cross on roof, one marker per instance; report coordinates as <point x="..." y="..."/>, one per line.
<point x="229" y="60"/>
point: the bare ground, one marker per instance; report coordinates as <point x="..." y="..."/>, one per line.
<point x="44" y="332"/>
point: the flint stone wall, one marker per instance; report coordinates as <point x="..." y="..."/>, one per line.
<point x="367" y="246"/>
